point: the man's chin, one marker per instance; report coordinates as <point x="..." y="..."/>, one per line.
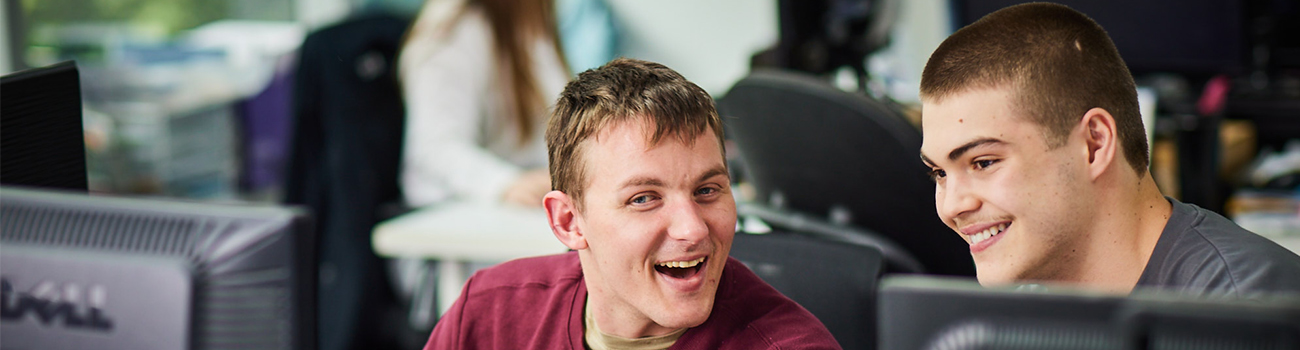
<point x="686" y="315"/>
<point x="678" y="322"/>
<point x="993" y="278"/>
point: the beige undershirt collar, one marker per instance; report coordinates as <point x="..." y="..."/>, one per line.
<point x="597" y="340"/>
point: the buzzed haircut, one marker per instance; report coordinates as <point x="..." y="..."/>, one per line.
<point x="623" y="90"/>
<point x="1059" y="64"/>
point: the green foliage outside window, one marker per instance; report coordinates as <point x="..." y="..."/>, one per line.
<point x="62" y="29"/>
<point x="171" y="15"/>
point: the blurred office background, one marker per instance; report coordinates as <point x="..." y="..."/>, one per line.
<point x="192" y="98"/>
<point x="189" y="98"/>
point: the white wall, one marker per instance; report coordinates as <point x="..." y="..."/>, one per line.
<point x="709" y="42"/>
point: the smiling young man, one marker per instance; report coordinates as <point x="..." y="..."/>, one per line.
<point x="1039" y="156"/>
<point x="643" y="196"/>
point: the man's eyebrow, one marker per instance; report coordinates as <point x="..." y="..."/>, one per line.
<point x="719" y="170"/>
<point x="656" y="182"/>
<point x="642" y="181"/>
<point x="927" y="160"/>
<point x="959" y="151"/>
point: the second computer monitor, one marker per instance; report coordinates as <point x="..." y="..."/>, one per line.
<point x="949" y="314"/>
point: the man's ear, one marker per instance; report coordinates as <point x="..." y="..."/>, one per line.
<point x="1100" y="136"/>
<point x="563" y="217"/>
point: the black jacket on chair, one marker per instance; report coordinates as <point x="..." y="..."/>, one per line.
<point x="344" y="164"/>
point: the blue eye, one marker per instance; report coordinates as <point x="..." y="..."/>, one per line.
<point x="706" y="191"/>
<point x="642" y="199"/>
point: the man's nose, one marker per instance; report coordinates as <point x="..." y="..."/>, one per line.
<point x="688" y="222"/>
<point x="956" y="199"/>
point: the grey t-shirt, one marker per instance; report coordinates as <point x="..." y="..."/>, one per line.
<point x="1201" y="253"/>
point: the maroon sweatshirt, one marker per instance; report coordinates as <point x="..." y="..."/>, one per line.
<point x="537" y="303"/>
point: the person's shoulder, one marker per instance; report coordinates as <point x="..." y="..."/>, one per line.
<point x="532" y="303"/>
<point x="474" y="17"/>
<point x="762" y="317"/>
<point x="1241" y="261"/>
<point x="541" y="271"/>
<point x="453" y="19"/>
<point x="471" y="29"/>
<point x="1236" y="244"/>
<point x="448" y="41"/>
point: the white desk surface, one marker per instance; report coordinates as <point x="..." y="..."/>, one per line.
<point x="458" y="233"/>
<point x="472" y="232"/>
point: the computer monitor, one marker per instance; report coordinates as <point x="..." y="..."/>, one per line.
<point x="1173" y="36"/>
<point x="938" y="313"/>
<point x="94" y="272"/>
<point x="40" y="128"/>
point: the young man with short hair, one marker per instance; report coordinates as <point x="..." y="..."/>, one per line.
<point x="1039" y="156"/>
<point x="643" y="195"/>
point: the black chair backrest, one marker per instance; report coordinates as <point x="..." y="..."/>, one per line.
<point x="812" y="148"/>
<point x="834" y="281"/>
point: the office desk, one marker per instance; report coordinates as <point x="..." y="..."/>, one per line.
<point x="455" y="234"/>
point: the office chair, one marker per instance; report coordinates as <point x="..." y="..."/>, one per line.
<point x="810" y="148"/>
<point x="343" y="165"/>
<point x="835" y="281"/>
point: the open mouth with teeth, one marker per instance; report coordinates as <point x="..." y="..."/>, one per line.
<point x="681" y="269"/>
<point x="988" y="233"/>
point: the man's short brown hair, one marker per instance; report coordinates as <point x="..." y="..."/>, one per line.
<point x="1058" y="62"/>
<point x="620" y="91"/>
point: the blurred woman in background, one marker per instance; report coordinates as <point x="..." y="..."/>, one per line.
<point x="478" y="77"/>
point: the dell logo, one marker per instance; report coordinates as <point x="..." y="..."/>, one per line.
<point x="79" y="307"/>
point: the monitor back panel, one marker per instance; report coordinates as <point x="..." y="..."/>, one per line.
<point x="64" y="299"/>
<point x="124" y="273"/>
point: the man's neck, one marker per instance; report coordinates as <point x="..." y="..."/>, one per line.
<point x="613" y="322"/>
<point x="1129" y="223"/>
<point x="598" y="339"/>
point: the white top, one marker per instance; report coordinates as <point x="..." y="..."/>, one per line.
<point x="461" y="139"/>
